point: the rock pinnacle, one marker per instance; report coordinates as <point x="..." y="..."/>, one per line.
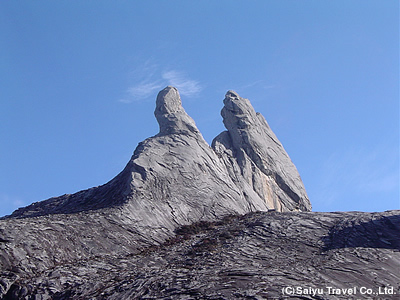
<point x="170" y="115"/>
<point x="260" y="156"/>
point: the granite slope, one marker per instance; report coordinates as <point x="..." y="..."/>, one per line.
<point x="177" y="173"/>
<point x="184" y="220"/>
<point x="262" y="255"/>
<point x="173" y="179"/>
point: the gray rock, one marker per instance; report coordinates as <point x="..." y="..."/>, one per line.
<point x="255" y="256"/>
<point x="256" y="158"/>
<point x="171" y="116"/>
<point x="173" y="179"/>
<point x="6" y="281"/>
<point x="176" y="173"/>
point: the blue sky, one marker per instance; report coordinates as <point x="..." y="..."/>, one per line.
<point x="79" y="80"/>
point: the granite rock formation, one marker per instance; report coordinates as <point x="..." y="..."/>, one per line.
<point x="121" y="239"/>
<point x="175" y="177"/>
<point x="263" y="255"/>
<point x="255" y="158"/>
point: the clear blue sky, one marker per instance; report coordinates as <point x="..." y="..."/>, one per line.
<point x="79" y="80"/>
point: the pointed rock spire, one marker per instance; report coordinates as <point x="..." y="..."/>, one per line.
<point x="261" y="158"/>
<point x="173" y="178"/>
<point x="170" y="115"/>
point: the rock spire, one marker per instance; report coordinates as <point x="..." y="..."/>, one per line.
<point x="172" y="179"/>
<point x="175" y="177"/>
<point x="128" y="239"/>
<point x="255" y="156"/>
<point x="170" y="114"/>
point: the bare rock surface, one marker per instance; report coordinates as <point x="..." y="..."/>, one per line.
<point x="255" y="256"/>
<point x="171" y="225"/>
<point x="256" y="158"/>
<point x="176" y="177"/>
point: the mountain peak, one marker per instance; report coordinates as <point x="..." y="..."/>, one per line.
<point x="182" y="212"/>
<point x="259" y="155"/>
<point x="175" y="177"/>
<point x="170" y="115"/>
<point x="232" y="94"/>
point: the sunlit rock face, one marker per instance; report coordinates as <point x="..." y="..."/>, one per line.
<point x="255" y="157"/>
<point x="173" y="179"/>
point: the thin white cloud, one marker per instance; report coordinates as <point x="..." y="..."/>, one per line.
<point x="125" y="100"/>
<point x="186" y="86"/>
<point x="141" y="91"/>
<point x="144" y="89"/>
<point x="150" y="82"/>
<point x="252" y="84"/>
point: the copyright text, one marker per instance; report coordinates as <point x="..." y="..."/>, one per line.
<point x="329" y="290"/>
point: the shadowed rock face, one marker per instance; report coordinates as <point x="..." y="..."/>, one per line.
<point x="176" y="179"/>
<point x="254" y="256"/>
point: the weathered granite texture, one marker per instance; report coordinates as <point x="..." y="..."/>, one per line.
<point x="255" y="158"/>
<point x="254" y="256"/>
<point x="173" y="179"/>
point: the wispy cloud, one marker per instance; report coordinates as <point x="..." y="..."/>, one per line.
<point x="140" y="91"/>
<point x="186" y="86"/>
<point x="148" y="79"/>
<point x="144" y="89"/>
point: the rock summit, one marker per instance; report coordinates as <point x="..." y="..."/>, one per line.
<point x="186" y="220"/>
<point x="172" y="179"/>
<point x="175" y="177"/>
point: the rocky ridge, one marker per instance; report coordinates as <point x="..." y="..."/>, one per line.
<point x="173" y="179"/>
<point x="263" y="255"/>
<point x="256" y="160"/>
<point x="177" y="174"/>
<point x="63" y="246"/>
